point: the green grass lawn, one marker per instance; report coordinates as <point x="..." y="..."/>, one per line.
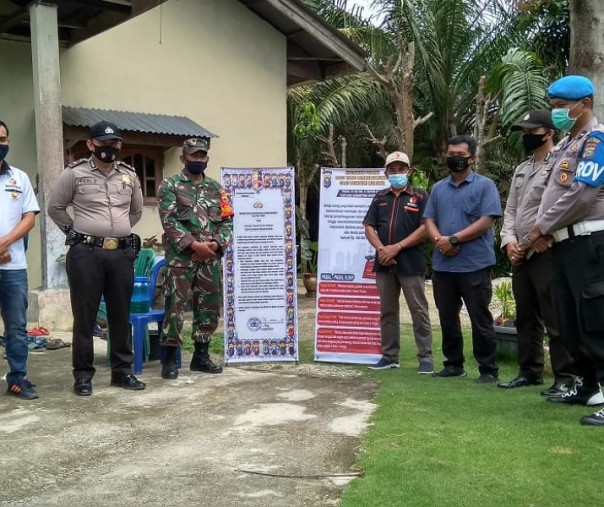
<point x="455" y="443"/>
<point x="452" y="442"/>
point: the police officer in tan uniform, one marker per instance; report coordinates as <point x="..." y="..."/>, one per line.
<point x="107" y="201"/>
<point x="531" y="271"/>
<point x="571" y="220"/>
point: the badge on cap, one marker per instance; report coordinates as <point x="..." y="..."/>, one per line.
<point x="109" y="130"/>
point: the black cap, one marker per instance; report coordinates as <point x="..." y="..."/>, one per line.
<point x="105" y="131"/>
<point x="535" y="119"/>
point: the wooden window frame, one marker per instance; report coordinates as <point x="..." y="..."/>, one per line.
<point x="80" y="150"/>
<point x="150" y="152"/>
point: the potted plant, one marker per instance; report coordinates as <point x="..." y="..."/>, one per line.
<point x="505" y="323"/>
<point x="310" y="254"/>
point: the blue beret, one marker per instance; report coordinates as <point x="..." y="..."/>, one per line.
<point x="571" y="88"/>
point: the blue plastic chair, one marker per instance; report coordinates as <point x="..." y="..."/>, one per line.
<point x="140" y="321"/>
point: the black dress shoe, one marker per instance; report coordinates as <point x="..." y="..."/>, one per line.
<point x="521" y="382"/>
<point x="83" y="387"/>
<point x="127" y="382"/>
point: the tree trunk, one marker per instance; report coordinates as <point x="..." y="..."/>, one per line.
<point x="303" y="196"/>
<point x="587" y="46"/>
<point x="480" y="127"/>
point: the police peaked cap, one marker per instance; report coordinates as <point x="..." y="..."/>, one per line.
<point x="535" y="119"/>
<point x="105" y="131"/>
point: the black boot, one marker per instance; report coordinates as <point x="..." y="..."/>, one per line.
<point x="201" y="359"/>
<point x="169" y="368"/>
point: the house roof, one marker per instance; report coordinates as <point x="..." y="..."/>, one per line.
<point x="144" y="123"/>
<point x="315" y="49"/>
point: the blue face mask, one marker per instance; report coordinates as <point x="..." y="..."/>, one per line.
<point x="561" y="118"/>
<point x="196" y="167"/>
<point x="398" y="180"/>
<point x="3" y="151"/>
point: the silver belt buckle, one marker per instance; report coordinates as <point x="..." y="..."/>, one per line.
<point x="110" y="243"/>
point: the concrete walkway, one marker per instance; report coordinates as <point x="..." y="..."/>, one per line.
<point x="200" y="440"/>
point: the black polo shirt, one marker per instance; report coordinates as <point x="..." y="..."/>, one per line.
<point x="394" y="217"/>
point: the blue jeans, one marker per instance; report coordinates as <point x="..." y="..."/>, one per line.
<point x="13" y="305"/>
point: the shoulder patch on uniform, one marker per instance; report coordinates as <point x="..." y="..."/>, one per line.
<point x="590" y="169"/>
<point x="77" y="162"/>
<point x="126" y="166"/>
<point x="226" y="208"/>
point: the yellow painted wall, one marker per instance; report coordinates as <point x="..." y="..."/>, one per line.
<point x="214" y="61"/>
<point x="17" y="111"/>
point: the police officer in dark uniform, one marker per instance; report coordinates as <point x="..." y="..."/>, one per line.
<point x="531" y="275"/>
<point x="107" y="201"/>
<point x="571" y="220"/>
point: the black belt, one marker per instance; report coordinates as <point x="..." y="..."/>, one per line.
<point x="104" y="243"/>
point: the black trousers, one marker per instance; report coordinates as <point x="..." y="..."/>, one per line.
<point x="475" y="289"/>
<point x="578" y="289"/>
<point x="531" y="282"/>
<point x="93" y="272"/>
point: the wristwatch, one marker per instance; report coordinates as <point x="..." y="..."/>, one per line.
<point x="453" y="240"/>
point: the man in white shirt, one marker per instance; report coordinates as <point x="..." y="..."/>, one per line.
<point x="18" y="210"/>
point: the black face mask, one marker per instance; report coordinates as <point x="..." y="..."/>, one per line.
<point x="532" y="141"/>
<point x="106" y="154"/>
<point x="196" y="167"/>
<point x="458" y="164"/>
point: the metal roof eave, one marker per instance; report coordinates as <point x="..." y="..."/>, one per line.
<point x="145" y="123"/>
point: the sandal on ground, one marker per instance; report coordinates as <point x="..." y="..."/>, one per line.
<point x="57" y="343"/>
<point x="38" y="331"/>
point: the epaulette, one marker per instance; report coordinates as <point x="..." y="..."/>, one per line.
<point x="77" y="162"/>
<point x="126" y="166"/>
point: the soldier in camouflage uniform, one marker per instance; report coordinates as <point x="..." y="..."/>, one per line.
<point x="196" y="215"/>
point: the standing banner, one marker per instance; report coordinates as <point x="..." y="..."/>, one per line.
<point x="259" y="276"/>
<point x="347" y="325"/>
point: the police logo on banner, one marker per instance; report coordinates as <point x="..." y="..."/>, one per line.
<point x="254" y="324"/>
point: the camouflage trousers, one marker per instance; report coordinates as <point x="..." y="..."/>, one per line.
<point x="199" y="284"/>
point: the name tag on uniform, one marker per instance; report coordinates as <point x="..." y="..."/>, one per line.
<point x="412" y="205"/>
<point x="85" y="181"/>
